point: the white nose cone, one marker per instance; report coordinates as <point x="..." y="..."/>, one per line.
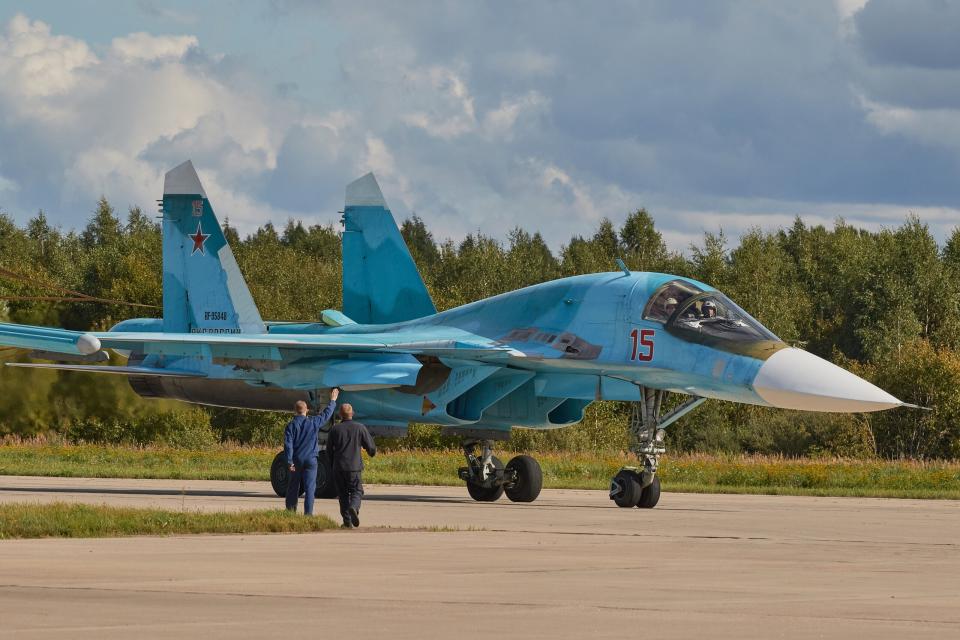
<point x="795" y="379"/>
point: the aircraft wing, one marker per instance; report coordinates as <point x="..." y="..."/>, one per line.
<point x="21" y="336"/>
<point x="268" y="347"/>
<point x="235" y="345"/>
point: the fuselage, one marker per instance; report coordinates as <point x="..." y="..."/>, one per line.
<point x="568" y="342"/>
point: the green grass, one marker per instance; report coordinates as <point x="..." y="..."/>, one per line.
<point x="689" y="473"/>
<point x="61" y="520"/>
<point x="116" y="461"/>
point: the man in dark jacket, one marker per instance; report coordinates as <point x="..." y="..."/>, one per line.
<point x="301" y="448"/>
<point x="343" y="447"/>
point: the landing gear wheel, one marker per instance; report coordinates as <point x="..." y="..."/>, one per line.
<point x="326" y="485"/>
<point x="529" y="479"/>
<point x="280" y="475"/>
<point x="625" y="489"/>
<point x="651" y="495"/>
<point x="484" y="494"/>
<point x="481" y="493"/>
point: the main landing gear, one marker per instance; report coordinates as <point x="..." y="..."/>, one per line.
<point x="488" y="478"/>
<point x="640" y="486"/>
<point x="280" y="475"/>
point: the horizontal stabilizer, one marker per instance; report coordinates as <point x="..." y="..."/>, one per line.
<point x="333" y="318"/>
<point x="123" y="371"/>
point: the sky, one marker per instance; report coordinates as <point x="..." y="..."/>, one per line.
<point x="484" y="116"/>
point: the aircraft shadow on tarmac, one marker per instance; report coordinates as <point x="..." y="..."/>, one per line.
<point x="465" y="500"/>
<point x="380" y="497"/>
<point x="140" y="492"/>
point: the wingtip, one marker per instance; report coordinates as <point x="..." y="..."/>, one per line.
<point x="365" y="192"/>
<point x="183" y="180"/>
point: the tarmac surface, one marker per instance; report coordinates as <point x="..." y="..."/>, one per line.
<point x="570" y="565"/>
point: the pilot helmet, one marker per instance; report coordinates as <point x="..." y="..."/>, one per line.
<point x="670" y="301"/>
<point x="709" y="304"/>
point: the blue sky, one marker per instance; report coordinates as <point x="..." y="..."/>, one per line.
<point x="484" y="116"/>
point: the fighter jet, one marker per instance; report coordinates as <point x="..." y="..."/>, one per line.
<point x="532" y="358"/>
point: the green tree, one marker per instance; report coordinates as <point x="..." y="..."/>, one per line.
<point x="642" y="245"/>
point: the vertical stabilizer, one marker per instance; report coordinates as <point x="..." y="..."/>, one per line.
<point x="381" y="283"/>
<point x="203" y="289"/>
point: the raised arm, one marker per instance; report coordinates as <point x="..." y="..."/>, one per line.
<point x="321" y="418"/>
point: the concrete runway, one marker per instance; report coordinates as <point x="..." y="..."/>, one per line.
<point x="570" y="565"/>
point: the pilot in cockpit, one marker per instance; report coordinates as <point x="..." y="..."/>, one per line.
<point x="708" y="309"/>
<point x="670" y="306"/>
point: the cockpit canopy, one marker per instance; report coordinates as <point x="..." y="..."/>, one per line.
<point x="708" y="317"/>
<point x="663" y="304"/>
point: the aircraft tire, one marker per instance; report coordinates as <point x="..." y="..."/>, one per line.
<point x="279" y="475"/>
<point x="529" y="479"/>
<point x="651" y="495"/>
<point x="484" y="494"/>
<point x="326" y="485"/>
<point x="630" y="491"/>
<point x="481" y="493"/>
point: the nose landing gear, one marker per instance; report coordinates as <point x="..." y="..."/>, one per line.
<point x="640" y="486"/>
<point x="488" y="478"/>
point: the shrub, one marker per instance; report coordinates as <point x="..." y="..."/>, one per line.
<point x="186" y="429"/>
<point x="263" y="428"/>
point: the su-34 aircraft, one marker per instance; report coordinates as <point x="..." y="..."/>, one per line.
<point x="533" y="358"/>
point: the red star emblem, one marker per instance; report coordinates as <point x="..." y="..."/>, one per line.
<point x="199" y="239"/>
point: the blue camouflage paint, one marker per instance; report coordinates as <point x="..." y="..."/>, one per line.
<point x="203" y="289"/>
<point x="381" y="283"/>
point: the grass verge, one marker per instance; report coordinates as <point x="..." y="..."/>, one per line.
<point x="62" y="520"/>
<point x="689" y="473"/>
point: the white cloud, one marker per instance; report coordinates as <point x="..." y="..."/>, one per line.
<point x="499" y="122"/>
<point x="451" y="112"/>
<point x="144" y="47"/>
<point x="107" y="171"/>
<point x="730" y="115"/>
<point x="736" y="216"/>
<point x="6" y="184"/>
<point x="36" y="64"/>
<point x="112" y="126"/>
<point x="847" y="8"/>
<point x="935" y="127"/>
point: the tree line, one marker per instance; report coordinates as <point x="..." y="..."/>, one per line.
<point x="884" y="304"/>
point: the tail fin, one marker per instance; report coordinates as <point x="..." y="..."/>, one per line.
<point x="381" y="283"/>
<point x="203" y="289"/>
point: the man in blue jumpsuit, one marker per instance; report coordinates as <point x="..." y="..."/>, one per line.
<point x="301" y="447"/>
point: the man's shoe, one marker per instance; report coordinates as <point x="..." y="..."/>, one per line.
<point x="346" y="525"/>
<point x="354" y="517"/>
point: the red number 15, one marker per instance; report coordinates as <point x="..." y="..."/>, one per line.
<point x="642" y="338"/>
